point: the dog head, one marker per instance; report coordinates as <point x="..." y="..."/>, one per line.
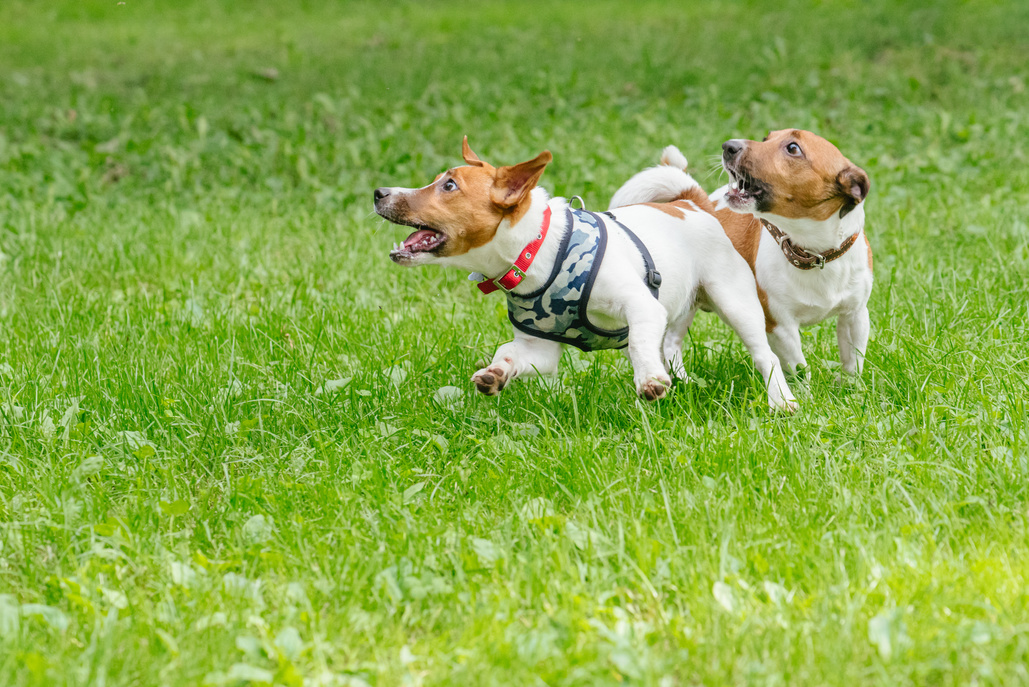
<point x="793" y="174"/>
<point x="461" y="210"/>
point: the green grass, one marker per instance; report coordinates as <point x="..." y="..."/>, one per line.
<point x="188" y="254"/>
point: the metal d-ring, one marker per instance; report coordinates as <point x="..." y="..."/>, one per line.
<point x="582" y="203"/>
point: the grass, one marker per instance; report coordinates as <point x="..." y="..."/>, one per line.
<point x="187" y="257"/>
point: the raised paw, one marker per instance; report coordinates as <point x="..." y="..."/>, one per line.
<point x="490" y="380"/>
<point x="654" y="387"/>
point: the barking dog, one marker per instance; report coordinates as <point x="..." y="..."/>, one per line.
<point x="794" y="210"/>
<point x="581" y="278"/>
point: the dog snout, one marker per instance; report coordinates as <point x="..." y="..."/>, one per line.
<point x="380" y="193"/>
<point x="732" y="148"/>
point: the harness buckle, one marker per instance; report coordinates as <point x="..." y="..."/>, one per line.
<point x="654" y="278"/>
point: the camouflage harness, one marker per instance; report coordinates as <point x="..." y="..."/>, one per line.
<point x="557" y="310"/>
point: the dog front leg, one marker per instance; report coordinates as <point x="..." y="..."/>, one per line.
<point x="527" y="355"/>
<point x="852" y="336"/>
<point x="672" y="347"/>
<point x="785" y="342"/>
<point x="647" y="321"/>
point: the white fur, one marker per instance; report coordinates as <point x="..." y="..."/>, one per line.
<point x="673" y="157"/>
<point x="796" y="298"/>
<point x="800" y="298"/>
<point x="695" y="258"/>
<point x="659" y="184"/>
<point x="718" y="197"/>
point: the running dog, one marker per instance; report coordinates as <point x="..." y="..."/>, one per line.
<point x="794" y="209"/>
<point x="582" y="278"/>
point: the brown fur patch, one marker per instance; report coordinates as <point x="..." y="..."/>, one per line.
<point x="516" y="213"/>
<point x="511" y="185"/>
<point x="868" y="243"/>
<point x="770" y="322"/>
<point x="745" y="233"/>
<point x="470" y="214"/>
<point x="698" y="196"/>
<point x="809" y="184"/>
<point x="678" y="207"/>
<point x="466" y="216"/>
<point x="670" y="209"/>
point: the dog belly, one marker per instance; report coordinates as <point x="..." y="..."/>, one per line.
<point x="603" y="320"/>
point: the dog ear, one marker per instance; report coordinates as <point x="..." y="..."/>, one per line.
<point x="853" y="184"/>
<point x="511" y="184"/>
<point x="469" y="155"/>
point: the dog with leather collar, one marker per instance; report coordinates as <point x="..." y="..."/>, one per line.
<point x="632" y="278"/>
<point x="794" y="203"/>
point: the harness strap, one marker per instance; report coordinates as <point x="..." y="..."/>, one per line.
<point x="653" y="278"/>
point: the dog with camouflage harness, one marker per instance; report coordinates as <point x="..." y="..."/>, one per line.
<point x="632" y="278"/>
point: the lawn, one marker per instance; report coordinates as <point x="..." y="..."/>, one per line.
<point x="238" y="446"/>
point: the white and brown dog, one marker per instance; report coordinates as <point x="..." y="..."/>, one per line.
<point x="582" y="278"/>
<point x="794" y="210"/>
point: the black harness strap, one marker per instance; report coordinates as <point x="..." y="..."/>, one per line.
<point x="653" y="277"/>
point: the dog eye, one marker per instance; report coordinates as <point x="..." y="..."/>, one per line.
<point x="794" y="149"/>
<point x="449" y="185"/>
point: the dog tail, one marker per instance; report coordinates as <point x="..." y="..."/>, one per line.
<point x="673" y="157"/>
<point x="661" y="184"/>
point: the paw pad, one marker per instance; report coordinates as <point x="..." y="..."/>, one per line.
<point x="654" y="388"/>
<point x="490" y="381"/>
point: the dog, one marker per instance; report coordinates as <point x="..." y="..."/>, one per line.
<point x="794" y="209"/>
<point x="581" y="278"/>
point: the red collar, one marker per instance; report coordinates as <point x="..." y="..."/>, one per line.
<point x="514" y="276"/>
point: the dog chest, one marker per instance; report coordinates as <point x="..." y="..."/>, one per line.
<point x="558" y="310"/>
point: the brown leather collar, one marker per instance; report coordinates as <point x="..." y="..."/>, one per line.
<point x="800" y="258"/>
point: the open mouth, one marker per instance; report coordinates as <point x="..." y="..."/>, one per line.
<point x="743" y="188"/>
<point x="422" y="240"/>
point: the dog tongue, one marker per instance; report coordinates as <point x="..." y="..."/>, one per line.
<point x="417" y="237"/>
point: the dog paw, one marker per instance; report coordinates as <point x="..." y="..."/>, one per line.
<point x="490" y="380"/>
<point x="783" y="404"/>
<point x="654" y="387"/>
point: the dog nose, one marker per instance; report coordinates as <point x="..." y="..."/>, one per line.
<point x="380" y="193"/>
<point x="732" y="148"/>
